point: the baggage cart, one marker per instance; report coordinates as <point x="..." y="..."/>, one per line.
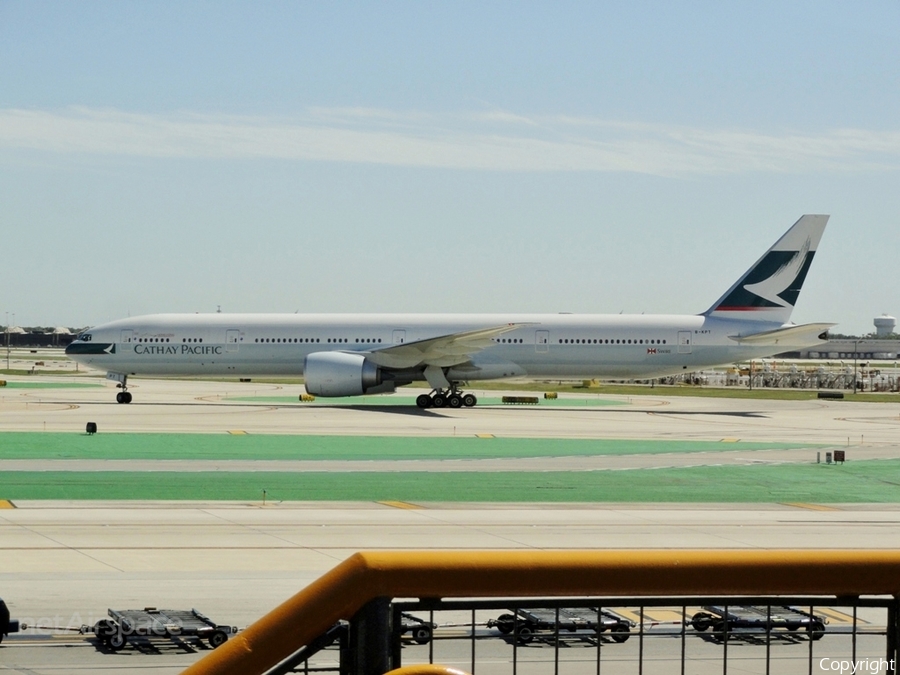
<point x="758" y="619"/>
<point x="159" y="624"/>
<point x="581" y="621"/>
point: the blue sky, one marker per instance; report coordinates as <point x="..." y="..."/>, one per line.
<point x="413" y="156"/>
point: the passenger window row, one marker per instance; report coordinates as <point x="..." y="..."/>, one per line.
<point x="567" y="341"/>
<point x="608" y="341"/>
<point x="140" y="339"/>
<point x="308" y="340"/>
<point x="286" y="340"/>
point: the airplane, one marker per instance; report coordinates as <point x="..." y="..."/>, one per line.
<point x="355" y="354"/>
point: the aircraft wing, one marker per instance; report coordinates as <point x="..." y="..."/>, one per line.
<point x="805" y="335"/>
<point x="444" y="351"/>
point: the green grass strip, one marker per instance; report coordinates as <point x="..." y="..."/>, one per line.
<point x="870" y="481"/>
<point x="23" y="445"/>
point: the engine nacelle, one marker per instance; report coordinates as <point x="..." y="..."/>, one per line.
<point x="340" y="374"/>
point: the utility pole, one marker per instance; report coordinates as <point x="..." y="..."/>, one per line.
<point x="7" y="340"/>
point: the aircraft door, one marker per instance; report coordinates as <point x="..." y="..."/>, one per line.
<point x="127" y="335"/>
<point x="684" y="342"/>
<point x="542" y="341"/>
<point x="399" y="337"/>
<point x="232" y="337"/>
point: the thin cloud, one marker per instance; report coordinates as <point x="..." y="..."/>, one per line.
<point x="487" y="141"/>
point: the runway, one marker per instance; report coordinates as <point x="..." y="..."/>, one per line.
<point x="64" y="563"/>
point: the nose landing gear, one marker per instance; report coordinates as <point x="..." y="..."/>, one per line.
<point x="123" y="396"/>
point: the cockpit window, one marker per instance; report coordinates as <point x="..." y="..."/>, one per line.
<point x="84" y="337"/>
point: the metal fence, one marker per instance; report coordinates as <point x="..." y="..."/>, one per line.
<point x="360" y="606"/>
<point x="770" y="635"/>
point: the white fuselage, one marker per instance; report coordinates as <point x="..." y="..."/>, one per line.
<point x="541" y="346"/>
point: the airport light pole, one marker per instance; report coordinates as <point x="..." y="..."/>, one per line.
<point x="7" y="340"/>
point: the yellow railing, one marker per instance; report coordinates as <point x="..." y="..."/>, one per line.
<point x="340" y="593"/>
<point x="426" y="669"/>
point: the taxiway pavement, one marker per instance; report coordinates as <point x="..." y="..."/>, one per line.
<point x="64" y="563"/>
<point x="221" y="407"/>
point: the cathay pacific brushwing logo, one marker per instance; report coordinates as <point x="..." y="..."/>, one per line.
<point x="773" y="288"/>
<point x="774" y="283"/>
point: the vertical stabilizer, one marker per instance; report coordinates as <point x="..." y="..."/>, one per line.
<point x="768" y="291"/>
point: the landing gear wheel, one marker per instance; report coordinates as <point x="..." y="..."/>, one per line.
<point x="123" y="397"/>
<point x="438" y="400"/>
<point x="423" y="401"/>
<point x="218" y="638"/>
<point x="469" y="400"/>
<point x="454" y="401"/>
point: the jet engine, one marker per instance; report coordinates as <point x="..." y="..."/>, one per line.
<point x="342" y="374"/>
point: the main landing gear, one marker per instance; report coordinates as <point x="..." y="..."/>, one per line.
<point x="446" y="398"/>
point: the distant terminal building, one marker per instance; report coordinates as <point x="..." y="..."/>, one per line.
<point x="880" y="346"/>
<point x="864" y="348"/>
<point x="20" y="337"/>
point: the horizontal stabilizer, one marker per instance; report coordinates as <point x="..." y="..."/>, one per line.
<point x="807" y="335"/>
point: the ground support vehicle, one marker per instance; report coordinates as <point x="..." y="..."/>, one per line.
<point x="581" y="621"/>
<point x="758" y="619"/>
<point x="160" y="624"/>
